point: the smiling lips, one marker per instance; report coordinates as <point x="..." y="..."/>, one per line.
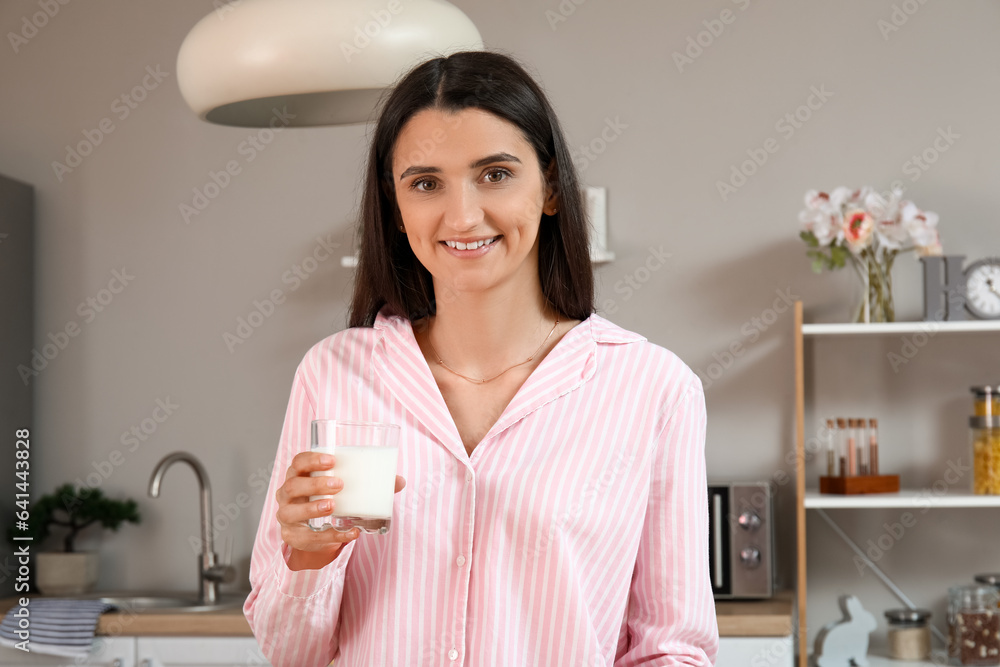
<point x="471" y="246"/>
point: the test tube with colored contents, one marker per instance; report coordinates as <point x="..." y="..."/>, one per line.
<point x="873" y="446"/>
<point x="844" y="446"/>
<point x="831" y="455"/>
<point x="862" y="446"/>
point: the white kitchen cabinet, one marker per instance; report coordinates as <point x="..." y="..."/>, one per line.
<point x="152" y="652"/>
<point x="756" y="652"/>
<point x="106" y="652"/>
<point x="199" y="652"/>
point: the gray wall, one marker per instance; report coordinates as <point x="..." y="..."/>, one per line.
<point x="161" y="336"/>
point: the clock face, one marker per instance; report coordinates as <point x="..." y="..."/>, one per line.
<point x="982" y="288"/>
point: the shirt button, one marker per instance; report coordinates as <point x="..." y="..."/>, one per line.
<point x="453" y="654"/>
<point x="460" y="561"/>
<point x="468" y="476"/>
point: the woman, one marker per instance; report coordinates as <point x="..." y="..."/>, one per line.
<point x="555" y="511"/>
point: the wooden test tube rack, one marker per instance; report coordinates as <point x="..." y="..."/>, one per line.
<point x="859" y="484"/>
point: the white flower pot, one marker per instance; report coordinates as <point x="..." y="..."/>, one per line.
<point x="66" y="574"/>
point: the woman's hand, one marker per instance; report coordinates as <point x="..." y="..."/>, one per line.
<point x="311" y="549"/>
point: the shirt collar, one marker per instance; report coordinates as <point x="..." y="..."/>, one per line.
<point x="399" y="362"/>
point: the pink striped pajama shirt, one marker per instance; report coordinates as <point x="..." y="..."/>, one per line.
<point x="575" y="535"/>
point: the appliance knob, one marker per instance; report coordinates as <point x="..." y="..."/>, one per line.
<point x="749" y="520"/>
<point x="750" y="557"/>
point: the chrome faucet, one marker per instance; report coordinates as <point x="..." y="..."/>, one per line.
<point x="210" y="572"/>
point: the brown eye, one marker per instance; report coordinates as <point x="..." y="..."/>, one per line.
<point x="497" y="175"/>
<point x="417" y="185"/>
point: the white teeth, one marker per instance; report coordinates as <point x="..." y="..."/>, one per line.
<point x="469" y="246"/>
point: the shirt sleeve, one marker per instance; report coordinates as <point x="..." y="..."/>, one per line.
<point x="295" y="615"/>
<point x="671" y="612"/>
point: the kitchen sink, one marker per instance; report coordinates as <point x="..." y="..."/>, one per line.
<point x="163" y="602"/>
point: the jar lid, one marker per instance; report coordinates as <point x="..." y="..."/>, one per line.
<point x="990" y="579"/>
<point x="985" y="422"/>
<point x="984" y="389"/>
<point x="907" y="616"/>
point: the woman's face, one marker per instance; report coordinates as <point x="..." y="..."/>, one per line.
<point x="466" y="178"/>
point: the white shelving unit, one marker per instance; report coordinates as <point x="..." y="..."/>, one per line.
<point x="812" y="499"/>
<point x="904" y="499"/>
<point x="883" y="661"/>
<point x="898" y="328"/>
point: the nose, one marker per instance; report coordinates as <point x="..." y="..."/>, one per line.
<point x="463" y="209"/>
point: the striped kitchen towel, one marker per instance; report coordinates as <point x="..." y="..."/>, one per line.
<point x="55" y="626"/>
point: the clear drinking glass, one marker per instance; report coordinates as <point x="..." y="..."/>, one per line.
<point x="364" y="456"/>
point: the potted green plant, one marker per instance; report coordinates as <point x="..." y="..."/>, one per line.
<point x="71" y="510"/>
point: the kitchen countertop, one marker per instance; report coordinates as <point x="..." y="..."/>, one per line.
<point x="764" y="618"/>
<point x="155" y="622"/>
<point x="758" y="618"/>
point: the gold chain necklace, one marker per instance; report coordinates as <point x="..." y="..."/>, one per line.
<point x="485" y="380"/>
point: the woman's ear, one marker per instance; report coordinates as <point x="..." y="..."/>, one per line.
<point x="551" y="205"/>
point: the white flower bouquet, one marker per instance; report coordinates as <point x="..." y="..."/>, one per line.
<point x="869" y="229"/>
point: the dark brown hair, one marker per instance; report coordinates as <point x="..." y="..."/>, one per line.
<point x="388" y="273"/>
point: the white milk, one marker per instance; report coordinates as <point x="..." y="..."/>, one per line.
<point x="369" y="475"/>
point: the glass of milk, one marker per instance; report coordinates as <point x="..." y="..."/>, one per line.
<point x="364" y="456"/>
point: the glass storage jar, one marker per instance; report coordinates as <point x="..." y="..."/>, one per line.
<point x="974" y="625"/>
<point x="985" y="436"/>
<point x="991" y="579"/>
<point x="909" y="634"/>
<point x="987" y="401"/>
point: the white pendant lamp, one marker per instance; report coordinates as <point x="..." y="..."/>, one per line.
<point x="324" y="61"/>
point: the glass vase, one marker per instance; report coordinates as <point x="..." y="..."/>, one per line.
<point x="876" y="287"/>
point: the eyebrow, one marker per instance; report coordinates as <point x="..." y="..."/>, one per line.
<point x="481" y="162"/>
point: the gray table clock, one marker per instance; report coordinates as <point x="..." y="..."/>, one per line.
<point x="950" y="293"/>
<point x="982" y="288"/>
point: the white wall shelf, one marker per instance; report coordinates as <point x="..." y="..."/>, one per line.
<point x="917" y="499"/>
<point x="811" y="499"/>
<point x="875" y="660"/>
<point x="883" y="328"/>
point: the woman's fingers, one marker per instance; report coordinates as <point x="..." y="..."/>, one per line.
<point x="300" y="512"/>
<point x="304" y="463"/>
<point x="304" y="538"/>
<point x="400" y="483"/>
